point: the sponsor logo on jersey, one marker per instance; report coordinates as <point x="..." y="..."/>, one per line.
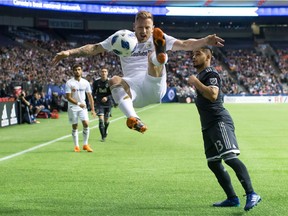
<point x="140" y="53"/>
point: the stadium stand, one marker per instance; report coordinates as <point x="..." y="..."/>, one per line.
<point x="249" y="64"/>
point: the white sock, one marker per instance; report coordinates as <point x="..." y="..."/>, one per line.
<point x="86" y="133"/>
<point x="124" y="102"/>
<point x="155" y="61"/>
<point x="75" y="137"/>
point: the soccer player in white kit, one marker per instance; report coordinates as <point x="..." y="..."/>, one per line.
<point x="144" y="72"/>
<point x="76" y="89"/>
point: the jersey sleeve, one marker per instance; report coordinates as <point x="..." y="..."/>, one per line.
<point x="106" y="44"/>
<point x="213" y="79"/>
<point x="67" y="88"/>
<point x="88" y="87"/>
<point x="169" y="41"/>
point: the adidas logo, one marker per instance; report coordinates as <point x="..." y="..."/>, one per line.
<point x="254" y="198"/>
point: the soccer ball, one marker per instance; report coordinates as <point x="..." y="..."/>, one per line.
<point x="124" y="43"/>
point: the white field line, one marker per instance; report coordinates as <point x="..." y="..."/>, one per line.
<point x="64" y="137"/>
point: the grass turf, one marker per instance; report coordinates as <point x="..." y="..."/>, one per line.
<point x="161" y="172"/>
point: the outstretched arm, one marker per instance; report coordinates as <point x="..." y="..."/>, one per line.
<point x="86" y="50"/>
<point x="192" y="44"/>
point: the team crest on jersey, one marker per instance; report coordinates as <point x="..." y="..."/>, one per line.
<point x="213" y="81"/>
<point x="73" y="90"/>
<point x="149" y="45"/>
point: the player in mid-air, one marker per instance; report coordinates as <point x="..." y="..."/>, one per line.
<point x="218" y="131"/>
<point x="103" y="101"/>
<point x="144" y="73"/>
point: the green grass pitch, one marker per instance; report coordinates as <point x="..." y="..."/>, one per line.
<point x="161" y="172"/>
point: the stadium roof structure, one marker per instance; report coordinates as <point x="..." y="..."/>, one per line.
<point x="192" y="8"/>
<point x="186" y="3"/>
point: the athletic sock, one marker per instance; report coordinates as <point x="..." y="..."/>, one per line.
<point x="124" y="102"/>
<point x="106" y="127"/>
<point x="75" y="137"/>
<point x="223" y="177"/>
<point x="241" y="173"/>
<point x="101" y="128"/>
<point x="86" y="133"/>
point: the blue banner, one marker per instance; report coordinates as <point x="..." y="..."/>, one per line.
<point x="170" y="96"/>
<point x="156" y="10"/>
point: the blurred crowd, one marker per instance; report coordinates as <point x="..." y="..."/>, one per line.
<point x="244" y="71"/>
<point x="256" y="72"/>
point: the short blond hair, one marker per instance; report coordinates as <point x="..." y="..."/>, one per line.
<point x="144" y="15"/>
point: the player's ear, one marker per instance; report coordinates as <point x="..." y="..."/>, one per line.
<point x="209" y="56"/>
<point x="134" y="26"/>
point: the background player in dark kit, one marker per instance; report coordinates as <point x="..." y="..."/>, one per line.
<point x="103" y="101"/>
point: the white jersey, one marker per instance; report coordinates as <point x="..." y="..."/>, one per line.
<point x="136" y="66"/>
<point x="77" y="90"/>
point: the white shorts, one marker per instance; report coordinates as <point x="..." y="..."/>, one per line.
<point x="147" y="91"/>
<point x="73" y="115"/>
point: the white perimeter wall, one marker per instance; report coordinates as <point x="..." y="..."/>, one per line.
<point x="256" y="99"/>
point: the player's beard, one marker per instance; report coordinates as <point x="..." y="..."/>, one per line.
<point x="142" y="38"/>
<point x="77" y="76"/>
<point x="198" y="66"/>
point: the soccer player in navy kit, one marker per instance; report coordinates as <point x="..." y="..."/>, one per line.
<point x="103" y="101"/>
<point x="218" y="131"/>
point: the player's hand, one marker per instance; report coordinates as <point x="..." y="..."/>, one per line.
<point x="59" y="56"/>
<point x="191" y="80"/>
<point x="93" y="114"/>
<point x="104" y="100"/>
<point x="82" y="105"/>
<point x="214" y="40"/>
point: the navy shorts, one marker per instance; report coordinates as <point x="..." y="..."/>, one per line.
<point x="103" y="111"/>
<point x="219" y="140"/>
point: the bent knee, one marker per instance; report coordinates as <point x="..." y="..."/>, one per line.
<point x="229" y="156"/>
<point x="115" y="80"/>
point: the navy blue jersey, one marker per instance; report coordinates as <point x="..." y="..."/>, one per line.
<point x="101" y="89"/>
<point x="211" y="112"/>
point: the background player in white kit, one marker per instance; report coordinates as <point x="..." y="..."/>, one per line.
<point x="76" y="89"/>
<point x="144" y="73"/>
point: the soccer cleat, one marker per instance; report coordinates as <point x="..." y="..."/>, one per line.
<point x="76" y="149"/>
<point x="87" y="148"/>
<point x="105" y="135"/>
<point x="252" y="200"/>
<point x="232" y="202"/>
<point x="136" y="124"/>
<point x="160" y="45"/>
